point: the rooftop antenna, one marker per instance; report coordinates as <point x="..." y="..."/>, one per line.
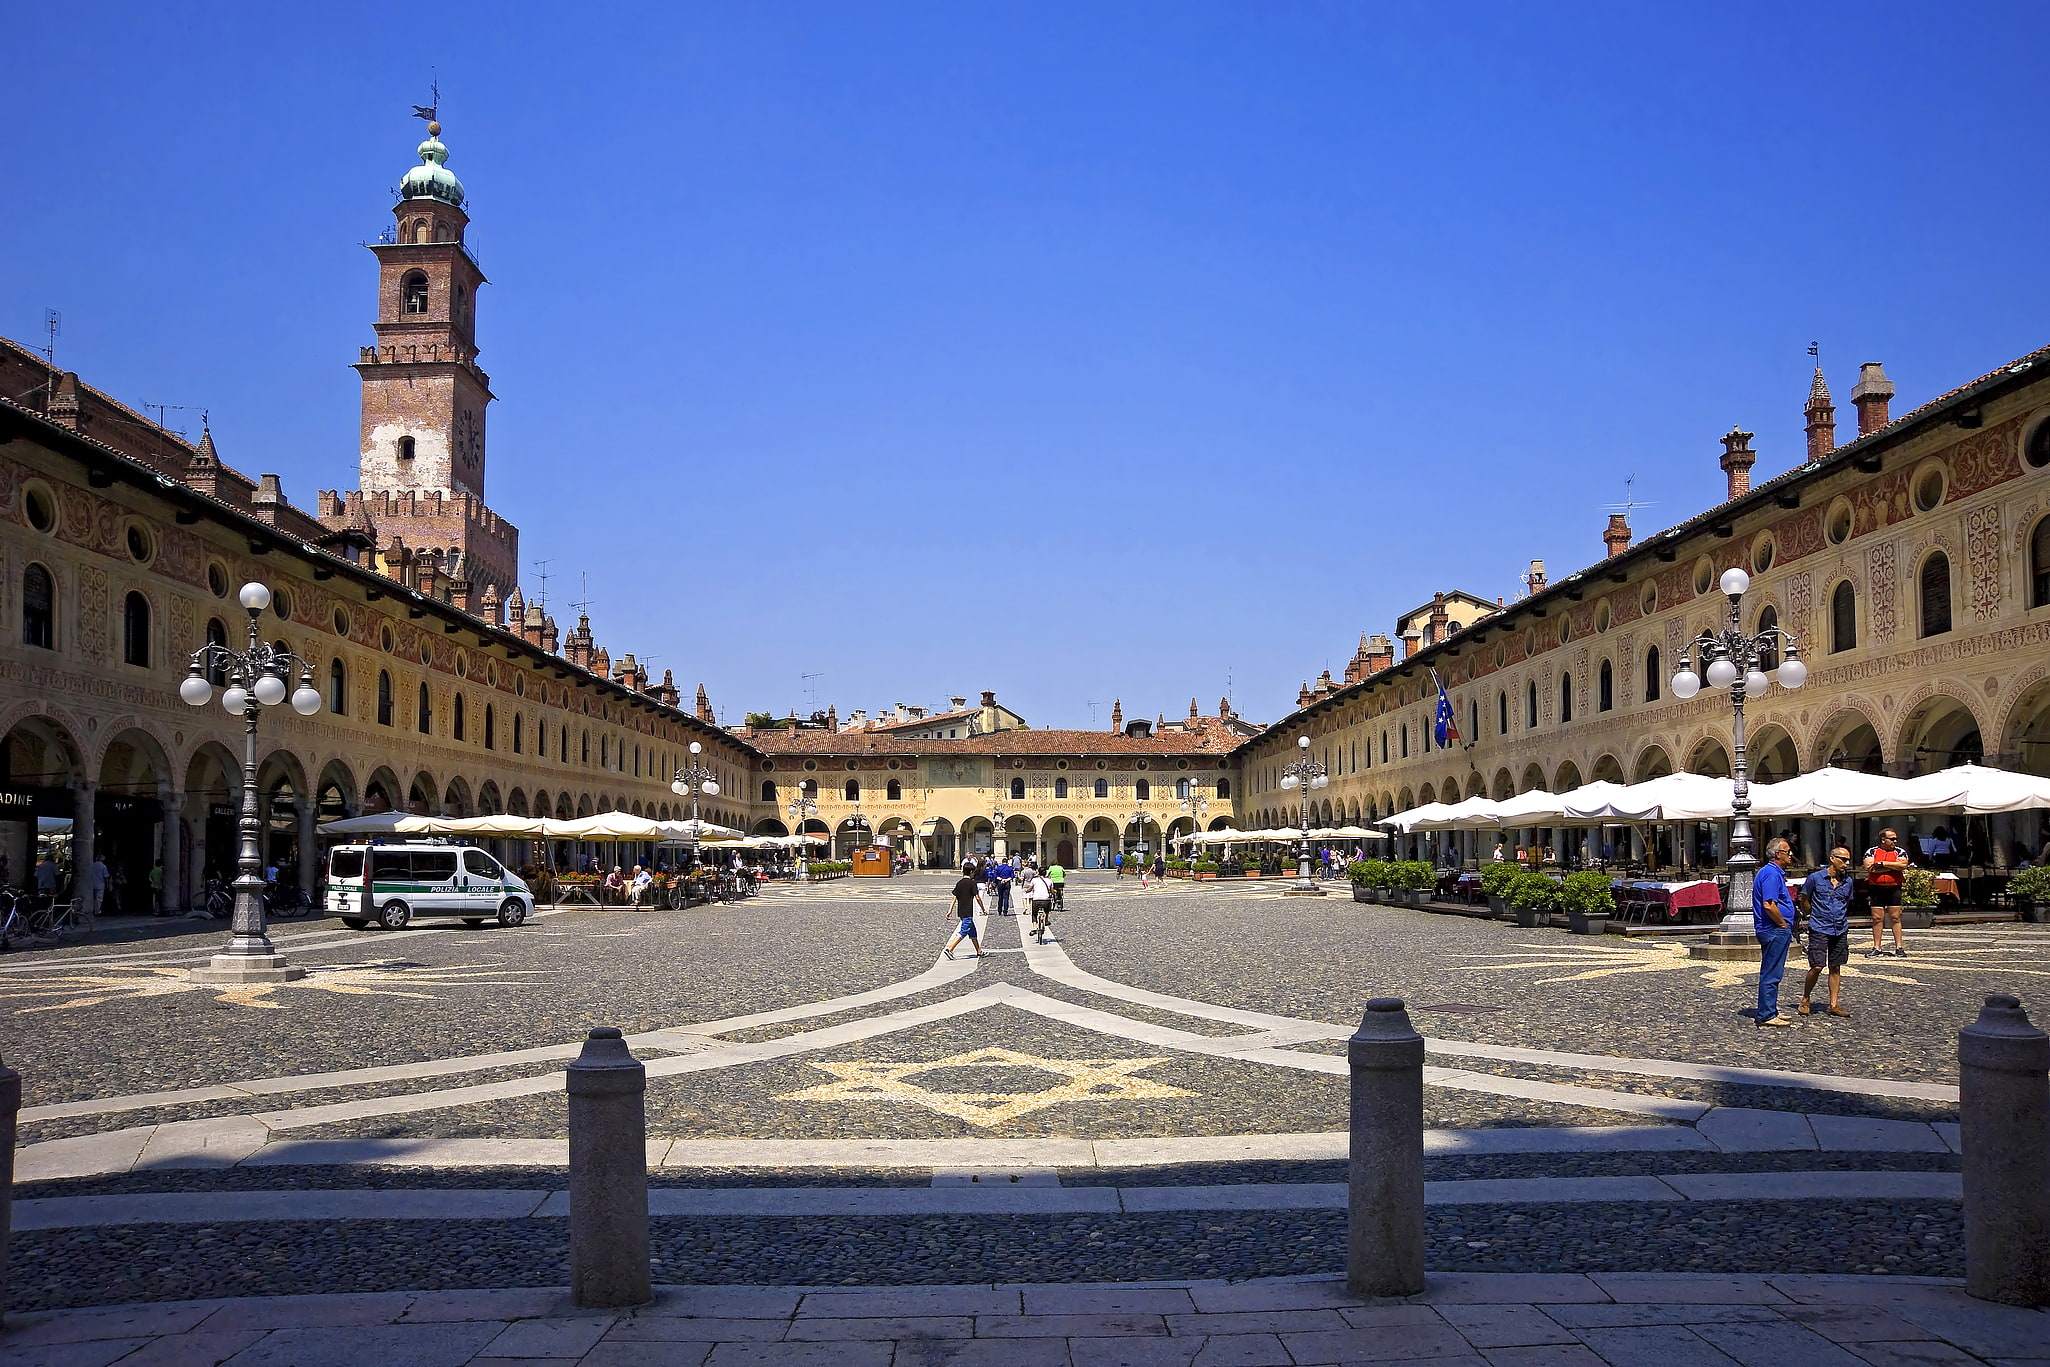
<point x="583" y="604"/>
<point x="1093" y="705"/>
<point x="53" y="323"/>
<point x="541" y="571"/>
<point x="1631" y="503"/>
<point x="163" y="408"/>
<point x="811" y="690"/>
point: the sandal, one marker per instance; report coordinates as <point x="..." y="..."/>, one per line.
<point x="1804" y="1008"/>
<point x="1839" y="1011"/>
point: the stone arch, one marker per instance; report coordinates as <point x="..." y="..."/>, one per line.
<point x="1709" y="756"/>
<point x="335" y="793"/>
<point x="1847" y="738"/>
<point x="456" y="800"/>
<point x="423" y="796"/>
<point x="769" y="825"/>
<point x="1652" y="762"/>
<point x="1567" y="778"/>
<point x="382" y="791"/>
<point x="43" y="752"/>
<point x="516" y="802"/>
<point x="140" y="739"/>
<point x="2024" y="727"/>
<point x="1533" y="779"/>
<point x="1476" y="786"/>
<point x="488" y="801"/>
<point x="1503" y="787"/>
<point x="1607" y="769"/>
<point x="132" y="760"/>
<point x="1938" y="730"/>
<point x="583" y="808"/>
<point x="1771" y="753"/>
<point x="1406" y="801"/>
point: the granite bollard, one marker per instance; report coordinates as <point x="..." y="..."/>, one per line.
<point x="10" y="1109"/>
<point x="608" y="1175"/>
<point x="2004" y="1107"/>
<point x="1384" y="1253"/>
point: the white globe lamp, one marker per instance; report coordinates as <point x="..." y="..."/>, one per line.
<point x="1686" y="684"/>
<point x="255" y="596"/>
<point x="270" y="690"/>
<point x="305" y="700"/>
<point x="1755" y="683"/>
<point x="196" y="690"/>
<point x="711" y="788"/>
<point x="1793" y="673"/>
<point x="1735" y="582"/>
<point x="1721" y="673"/>
<point x="234" y="698"/>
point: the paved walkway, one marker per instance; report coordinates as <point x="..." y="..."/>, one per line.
<point x="1462" y="1320"/>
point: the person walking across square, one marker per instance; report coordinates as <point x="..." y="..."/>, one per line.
<point x="1004" y="875"/>
<point x="1772" y="920"/>
<point x="1885" y="865"/>
<point x="966" y="896"/>
<point x="1826" y="898"/>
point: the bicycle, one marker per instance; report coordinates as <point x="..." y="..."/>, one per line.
<point x="284" y="902"/>
<point x="218" y="901"/>
<point x="18" y="918"/>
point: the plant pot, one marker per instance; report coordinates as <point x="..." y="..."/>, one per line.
<point x="1588" y="922"/>
<point x="1252" y="873"/>
<point x="2035" y="913"/>
<point x="1530" y="918"/>
<point x="1359" y="894"/>
<point x="1918" y="918"/>
<point x="1413" y="897"/>
<point x="1496" y="906"/>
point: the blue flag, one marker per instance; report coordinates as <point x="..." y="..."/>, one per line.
<point x="1444" y="730"/>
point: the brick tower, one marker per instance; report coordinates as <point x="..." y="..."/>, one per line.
<point x="422" y="461"/>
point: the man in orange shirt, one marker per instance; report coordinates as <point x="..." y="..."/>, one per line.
<point x="1884" y="865"/>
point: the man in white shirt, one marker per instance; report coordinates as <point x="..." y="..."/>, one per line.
<point x="1039" y="894"/>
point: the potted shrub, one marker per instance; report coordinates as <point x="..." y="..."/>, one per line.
<point x="1588" y="901"/>
<point x="1532" y="896"/>
<point x="1412" y="879"/>
<point x="1204" y="869"/>
<point x="1918" y="899"/>
<point x="2030" y="889"/>
<point x="1495" y="881"/>
<point x="1364" y="876"/>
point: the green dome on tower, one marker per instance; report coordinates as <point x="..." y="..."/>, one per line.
<point x="431" y="179"/>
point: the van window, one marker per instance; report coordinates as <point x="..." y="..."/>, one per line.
<point x="482" y="864"/>
<point x="345" y="864"/>
<point x="433" y="866"/>
<point x="391" y="866"/>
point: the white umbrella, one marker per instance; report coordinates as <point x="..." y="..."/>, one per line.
<point x="703" y="831"/>
<point x="607" y="826"/>
<point x="519" y="827"/>
<point x="1833" y="792"/>
<point x="1974" y="790"/>
<point x="1283" y="833"/>
<point x="1416" y="816"/>
<point x="1474" y="812"/>
<point x="1672" y="797"/>
<point x="385" y="823"/>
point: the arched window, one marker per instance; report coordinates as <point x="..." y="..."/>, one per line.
<point x="405" y="448"/>
<point x="1181" y="787"/>
<point x="1565" y="698"/>
<point x="1936" y="595"/>
<point x="1502" y="713"/>
<point x="1060" y="789"/>
<point x="490" y="727"/>
<point x="462" y="297"/>
<point x="894" y="792"/>
<point x="519" y="727"/>
<point x="1605" y="686"/>
<point x="2039" y="560"/>
<point x="456" y="719"/>
<point x="1142" y="790"/>
<point x="1768" y="651"/>
<point x="853" y="790"/>
<point x="1224" y="787"/>
<point x="338" y="688"/>
<point x="414" y="287"/>
<point x="39" y="609"/>
<point x="768" y="790"/>
<point x="135" y="630"/>
<point x="1473" y="723"/>
<point x="1102" y="788"/>
<point x="1651" y="675"/>
<point x="1017" y="790"/>
<point x="808" y="788"/>
<point x="1405" y="739"/>
<point x="1843" y="618"/>
<point x="384" y="703"/>
<point x="425" y="720"/>
<point x="1530" y="705"/>
<point x="585" y="748"/>
<point x="419" y="230"/>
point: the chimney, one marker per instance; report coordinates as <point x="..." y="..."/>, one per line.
<point x="1224" y="707"/>
<point x="1302" y="695"/>
<point x="989" y="699"/>
<point x="579" y="651"/>
<point x="1534" y="582"/>
<point x="1437" y="618"/>
<point x="1872" y="394"/>
<point x="704" y="703"/>
<point x="491" y="609"/>
<point x="1821" y="411"/>
<point x="1617" y="537"/>
<point x="1117" y="715"/>
<point x="459" y="594"/>
<point x="1325" y="688"/>
<point x="1738" y="458"/>
<point x="1411" y="639"/>
<point x="1193" y="711"/>
<point x="1380" y="653"/>
<point x="551" y="639"/>
<point x="958" y="703"/>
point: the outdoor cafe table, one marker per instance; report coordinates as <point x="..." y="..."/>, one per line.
<point x="1670" y="901"/>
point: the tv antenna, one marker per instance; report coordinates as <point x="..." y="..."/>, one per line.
<point x="1093" y="705"/>
<point x="1631" y="503"/>
<point x="811" y="690"/>
<point x="53" y="323"/>
<point x="541" y="572"/>
<point x="162" y="409"/>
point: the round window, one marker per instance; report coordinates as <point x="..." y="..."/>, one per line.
<point x="1761" y="555"/>
<point x="894" y="764"/>
<point x="1929" y="488"/>
<point x="851" y="766"/>
<point x="462" y="665"/>
<point x="1142" y="764"/>
<point x="217" y="580"/>
<point x="281" y="604"/>
<point x="1649" y="603"/>
<point x="1181" y="764"/>
<point x="384" y="639"/>
<point x="40" y="507"/>
<point x="2038" y="449"/>
<point x="1704" y="575"/>
<point x="1838" y="526"/>
<point x="1060" y="764"/>
<point x="140" y="547"/>
<point x="1565" y="633"/>
<point x="1103" y="764"/>
<point x="519" y="685"/>
<point x="1601" y="615"/>
<point x="491" y="675"/>
<point x="811" y="764"/>
<point x="1501" y="658"/>
<point x="768" y="764"/>
<point x="1529" y="646"/>
<point x="341" y="622"/>
<point x="426" y="652"/>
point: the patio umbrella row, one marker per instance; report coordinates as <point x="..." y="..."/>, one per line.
<point x="1229" y="837"/>
<point x="1970" y="789"/>
<point x="604" y="826"/>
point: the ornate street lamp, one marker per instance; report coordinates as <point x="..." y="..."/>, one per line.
<point x="256" y="678"/>
<point x="1730" y="659"/>
<point x="1139" y="825"/>
<point x="801" y="809"/>
<point x="1197" y="806"/>
<point x="691" y="779"/>
<point x="1307" y="774"/>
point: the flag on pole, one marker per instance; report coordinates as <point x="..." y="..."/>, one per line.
<point x="1445" y="729"/>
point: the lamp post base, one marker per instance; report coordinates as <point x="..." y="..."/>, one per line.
<point x="230" y="969"/>
<point x="1299" y="890"/>
<point x="1733" y="939"/>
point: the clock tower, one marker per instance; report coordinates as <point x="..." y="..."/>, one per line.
<point x="422" y="453"/>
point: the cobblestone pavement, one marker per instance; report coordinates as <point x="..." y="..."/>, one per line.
<point x="1188" y="1038"/>
<point x="1494" y="1321"/>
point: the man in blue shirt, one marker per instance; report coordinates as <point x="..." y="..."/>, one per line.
<point x="1772" y="921"/>
<point x="1003" y="873"/>
<point x="1826" y="898"/>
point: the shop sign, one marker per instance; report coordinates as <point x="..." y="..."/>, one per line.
<point x="14" y="802"/>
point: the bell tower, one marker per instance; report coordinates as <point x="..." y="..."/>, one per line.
<point x="422" y="452"/>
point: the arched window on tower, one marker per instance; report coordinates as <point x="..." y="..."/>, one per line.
<point x="419" y="230"/>
<point x="462" y="298"/>
<point x="1142" y="790"/>
<point x="768" y="790"/>
<point x="135" y="630"/>
<point x="413" y="289"/>
<point x="1843" y="618"/>
<point x="1224" y="787"/>
<point x="853" y="789"/>
<point x="2039" y="561"/>
<point x="1060" y="790"/>
<point x="1936" y="595"/>
<point x="405" y="448"/>
<point x="1102" y="788"/>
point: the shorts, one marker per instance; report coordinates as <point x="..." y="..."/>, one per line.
<point x="1042" y="906"/>
<point x="967" y="927"/>
<point x="1829" y="951"/>
<point x="1882" y="897"/>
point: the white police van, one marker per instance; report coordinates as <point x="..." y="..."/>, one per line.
<point x="423" y="878"/>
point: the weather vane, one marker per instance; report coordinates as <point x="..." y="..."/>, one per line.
<point x="430" y="112"/>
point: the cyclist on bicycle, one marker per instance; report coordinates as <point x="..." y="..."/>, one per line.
<point x="1039" y="893"/>
<point x="1057" y="879"/>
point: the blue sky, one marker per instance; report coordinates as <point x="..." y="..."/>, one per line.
<point x="1075" y="351"/>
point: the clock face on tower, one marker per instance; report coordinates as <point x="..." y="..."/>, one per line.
<point x="469" y="441"/>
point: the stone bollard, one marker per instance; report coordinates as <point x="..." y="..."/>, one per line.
<point x="608" y="1175"/>
<point x="10" y="1108"/>
<point x="1385" y="1176"/>
<point x="2004" y="1104"/>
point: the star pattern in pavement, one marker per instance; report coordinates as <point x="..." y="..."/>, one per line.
<point x="1095" y="1079"/>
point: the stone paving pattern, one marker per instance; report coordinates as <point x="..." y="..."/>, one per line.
<point x="1460" y="1321"/>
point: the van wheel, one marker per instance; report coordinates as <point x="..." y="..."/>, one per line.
<point x="355" y="922"/>
<point x="513" y="913"/>
<point x="394" y="915"/>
